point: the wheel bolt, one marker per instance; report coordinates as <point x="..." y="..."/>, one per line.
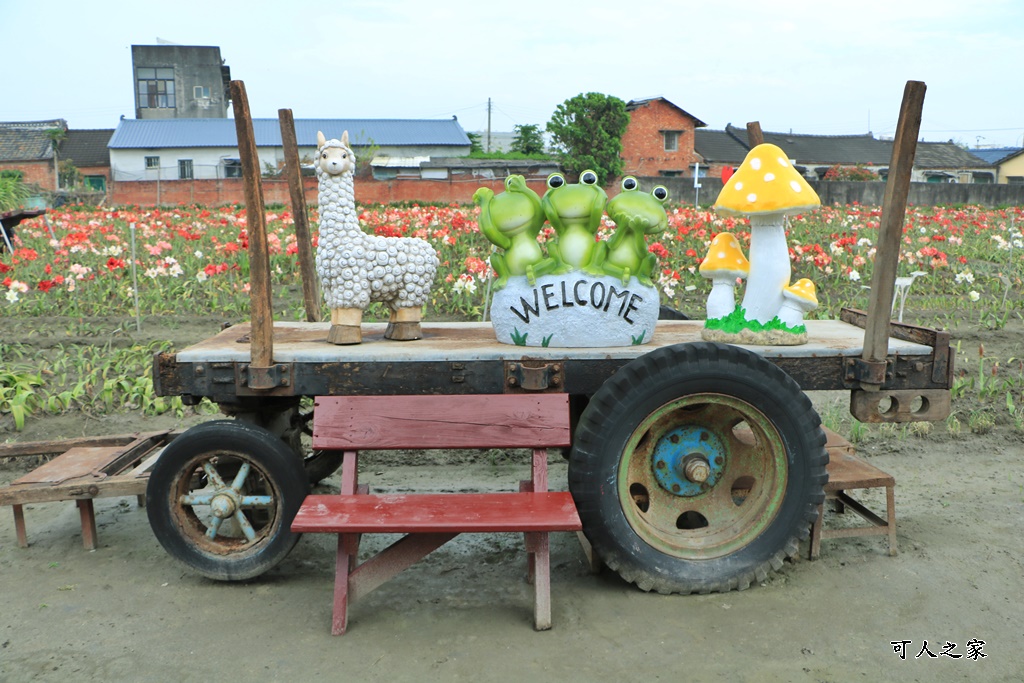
<point x="697" y="470"/>
<point x="222" y="507"/>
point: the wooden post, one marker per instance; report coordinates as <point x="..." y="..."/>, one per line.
<point x="890" y="233"/>
<point x="260" y="296"/>
<point x="293" y="171"/>
<point x="754" y="135"/>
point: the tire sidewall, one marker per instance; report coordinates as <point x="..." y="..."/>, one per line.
<point x="644" y="386"/>
<point x="282" y="468"/>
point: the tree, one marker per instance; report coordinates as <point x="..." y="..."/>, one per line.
<point x="56" y="136"/>
<point x="474" y="142"/>
<point x="587" y="133"/>
<point x="528" y="139"/>
<point x="13" y="192"/>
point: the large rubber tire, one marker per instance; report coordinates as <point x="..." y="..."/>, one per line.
<point x="731" y="416"/>
<point x="253" y="481"/>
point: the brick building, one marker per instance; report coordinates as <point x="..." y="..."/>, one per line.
<point x="26" y="147"/>
<point x="659" y="139"/>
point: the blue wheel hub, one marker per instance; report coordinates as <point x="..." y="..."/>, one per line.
<point x="688" y="460"/>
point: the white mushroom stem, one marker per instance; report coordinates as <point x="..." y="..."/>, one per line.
<point x="792" y="313"/>
<point x="722" y="299"/>
<point x="769" y="267"/>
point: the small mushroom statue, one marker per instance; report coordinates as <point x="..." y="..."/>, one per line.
<point x="724" y="264"/>
<point x="797" y="299"/>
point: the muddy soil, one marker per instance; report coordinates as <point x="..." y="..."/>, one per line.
<point x="128" y="612"/>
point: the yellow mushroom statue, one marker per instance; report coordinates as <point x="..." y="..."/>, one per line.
<point x="766" y="188"/>
<point x="797" y="299"/>
<point x="724" y="264"/>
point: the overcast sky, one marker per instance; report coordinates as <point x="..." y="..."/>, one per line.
<point x="810" y="66"/>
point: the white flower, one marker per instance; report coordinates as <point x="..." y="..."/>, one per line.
<point x="202" y="276"/>
<point x="12" y="295"/>
<point x="198" y="254"/>
<point x="974" y="296"/>
<point x="966" y="276"/>
<point x="854" y="275"/>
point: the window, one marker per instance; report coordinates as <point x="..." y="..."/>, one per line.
<point x="97" y="183"/>
<point x="1015" y="179"/>
<point x="200" y="91"/>
<point x="671" y="140"/>
<point x="152" y="162"/>
<point x="232" y="168"/>
<point x="184" y="169"/>
<point x="156" y="88"/>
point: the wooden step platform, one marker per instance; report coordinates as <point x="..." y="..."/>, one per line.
<point x="88" y="468"/>
<point x="847" y="472"/>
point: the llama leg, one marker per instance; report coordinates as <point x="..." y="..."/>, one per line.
<point x="404" y="324"/>
<point x="345" y="324"/>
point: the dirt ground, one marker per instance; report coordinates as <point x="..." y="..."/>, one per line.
<point x="128" y="612"/>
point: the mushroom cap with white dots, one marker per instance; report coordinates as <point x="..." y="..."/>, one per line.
<point x="766" y="183"/>
<point x="802" y="291"/>
<point x="724" y="258"/>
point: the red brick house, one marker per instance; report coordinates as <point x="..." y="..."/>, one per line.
<point x="659" y="139"/>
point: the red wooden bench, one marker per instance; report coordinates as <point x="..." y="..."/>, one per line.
<point x="351" y="424"/>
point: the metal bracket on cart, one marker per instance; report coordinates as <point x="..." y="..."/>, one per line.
<point x="533" y="376"/>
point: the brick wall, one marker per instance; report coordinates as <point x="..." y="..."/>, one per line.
<point x="644" y="147"/>
<point x="229" y="191"/>
<point x="36" y="172"/>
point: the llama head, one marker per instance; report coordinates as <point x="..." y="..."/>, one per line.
<point x="334" y="157"/>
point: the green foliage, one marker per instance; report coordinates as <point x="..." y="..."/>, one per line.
<point x="475" y="146"/>
<point x="13" y="192"/>
<point x="69" y="174"/>
<point x="587" y="131"/>
<point x="528" y="139"/>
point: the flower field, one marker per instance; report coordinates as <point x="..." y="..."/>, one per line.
<point x="967" y="264"/>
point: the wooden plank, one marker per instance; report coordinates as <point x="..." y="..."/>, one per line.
<point x="293" y="172"/>
<point x="484" y="421"/>
<point x="260" y="295"/>
<point x="14" y="450"/>
<point x="438" y="513"/>
<point x="754" y="135"/>
<point x="894" y="207"/>
<point x="847" y="471"/>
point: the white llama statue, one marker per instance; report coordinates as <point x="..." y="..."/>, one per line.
<point x="356" y="269"/>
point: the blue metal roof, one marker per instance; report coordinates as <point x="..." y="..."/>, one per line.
<point x="994" y="155"/>
<point x="168" y="133"/>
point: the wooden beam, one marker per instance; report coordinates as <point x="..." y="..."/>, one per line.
<point x="894" y="208"/>
<point x="260" y="295"/>
<point x="754" y="135"/>
<point x="293" y="171"/>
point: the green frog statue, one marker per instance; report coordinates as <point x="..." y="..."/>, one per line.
<point x="574" y="211"/>
<point x="635" y="214"/>
<point x="511" y="221"/>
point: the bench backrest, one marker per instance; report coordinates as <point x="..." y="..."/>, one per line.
<point x="477" y="421"/>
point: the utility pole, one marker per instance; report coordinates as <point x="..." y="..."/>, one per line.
<point x="488" y="125"/>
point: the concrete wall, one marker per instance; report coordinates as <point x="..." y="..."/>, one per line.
<point x="193" y="66"/>
<point x="920" y="194"/>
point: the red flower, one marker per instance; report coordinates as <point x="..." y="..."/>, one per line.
<point x="115" y="263"/>
<point x="4" y="268"/>
<point x="658" y="250"/>
<point x="45" y="285"/>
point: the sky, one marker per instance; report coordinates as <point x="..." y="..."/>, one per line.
<point x="820" y="67"/>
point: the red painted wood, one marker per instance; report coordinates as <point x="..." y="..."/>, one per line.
<point x="481" y="421"/>
<point x="438" y="513"/>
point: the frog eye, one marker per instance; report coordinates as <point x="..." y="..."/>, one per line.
<point x="588" y="177"/>
<point x="629" y="183"/>
<point x="556" y="180"/>
<point x="508" y="182"/>
<point x="660" y="193"/>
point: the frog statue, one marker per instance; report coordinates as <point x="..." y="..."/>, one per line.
<point x="635" y="215"/>
<point x="512" y="220"/>
<point x="574" y="211"/>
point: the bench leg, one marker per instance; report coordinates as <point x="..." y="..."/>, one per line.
<point x="348" y="548"/>
<point x="815" y="542"/>
<point x="85" y="511"/>
<point x="19" y="525"/>
<point x="538" y="545"/>
<point x="890" y="507"/>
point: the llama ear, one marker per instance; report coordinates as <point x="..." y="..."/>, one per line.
<point x="344" y="138"/>
<point x="320" y="139"/>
